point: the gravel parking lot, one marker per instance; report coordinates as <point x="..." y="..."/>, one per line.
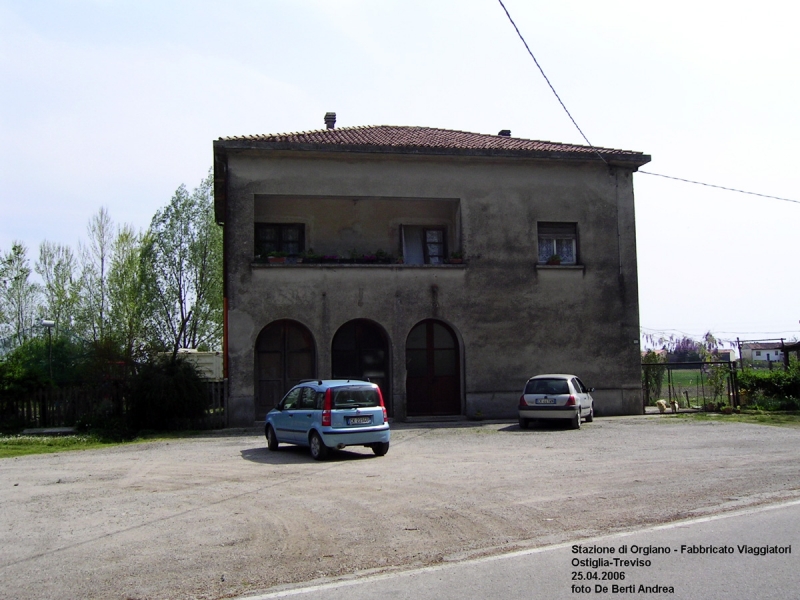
<point x="221" y="516"/>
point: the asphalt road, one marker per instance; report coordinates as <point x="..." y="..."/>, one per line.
<point x="724" y="557"/>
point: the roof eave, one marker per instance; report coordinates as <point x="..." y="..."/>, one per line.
<point x="632" y="161"/>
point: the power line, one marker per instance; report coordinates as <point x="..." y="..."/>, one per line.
<point x="550" y="84"/>
<point x="719" y="187"/>
<point x="597" y="151"/>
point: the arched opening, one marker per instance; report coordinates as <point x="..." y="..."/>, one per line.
<point x="360" y="349"/>
<point x="284" y="355"/>
<point x="433" y="380"/>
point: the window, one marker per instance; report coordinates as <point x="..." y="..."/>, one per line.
<point x="434" y="246"/>
<point x="758" y="352"/>
<point x="279" y="237"/>
<point x="292" y="399"/>
<point x="558" y="243"/>
<point x="424" y="245"/>
<point x="308" y="400"/>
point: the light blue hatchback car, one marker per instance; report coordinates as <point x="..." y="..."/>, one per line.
<point x="326" y="414"/>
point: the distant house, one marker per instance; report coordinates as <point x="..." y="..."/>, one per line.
<point x="448" y="267"/>
<point x="762" y="351"/>
<point x="208" y="364"/>
<point x="725" y="355"/>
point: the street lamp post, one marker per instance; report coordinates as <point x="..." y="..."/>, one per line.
<point x="49" y="324"/>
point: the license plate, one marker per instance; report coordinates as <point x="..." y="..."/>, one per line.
<point x="359" y="420"/>
<point x="545" y="401"/>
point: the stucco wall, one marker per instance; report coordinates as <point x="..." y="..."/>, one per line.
<point x="514" y="318"/>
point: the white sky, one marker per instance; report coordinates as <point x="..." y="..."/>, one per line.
<point x="116" y="103"/>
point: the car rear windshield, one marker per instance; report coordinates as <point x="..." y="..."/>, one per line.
<point x="355" y="397"/>
<point x="547" y="386"/>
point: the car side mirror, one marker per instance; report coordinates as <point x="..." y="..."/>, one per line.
<point x="591" y="389"/>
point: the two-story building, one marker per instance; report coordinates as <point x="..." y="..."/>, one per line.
<point x="446" y="266"/>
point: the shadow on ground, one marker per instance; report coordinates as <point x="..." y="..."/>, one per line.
<point x="293" y="455"/>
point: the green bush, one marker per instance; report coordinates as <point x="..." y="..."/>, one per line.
<point x="774" y="389"/>
<point x="166" y="395"/>
<point x="106" y="427"/>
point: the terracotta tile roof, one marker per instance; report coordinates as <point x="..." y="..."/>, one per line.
<point x="761" y="346"/>
<point x="424" y="140"/>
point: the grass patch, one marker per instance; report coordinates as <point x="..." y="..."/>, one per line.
<point x="778" y="419"/>
<point x="22" y="445"/>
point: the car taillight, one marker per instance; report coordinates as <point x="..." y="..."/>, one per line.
<point x="383" y="406"/>
<point x="570" y="401"/>
<point x="522" y="403"/>
<point x="326" y="408"/>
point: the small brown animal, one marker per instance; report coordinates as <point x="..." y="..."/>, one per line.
<point x="662" y="406"/>
<point x="674" y="404"/>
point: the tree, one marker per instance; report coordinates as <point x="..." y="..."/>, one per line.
<point x="126" y="290"/>
<point x="182" y="259"/>
<point x="95" y="261"/>
<point x="60" y="291"/>
<point x="19" y="297"/>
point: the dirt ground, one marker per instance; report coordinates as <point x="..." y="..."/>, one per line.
<point x="221" y="516"/>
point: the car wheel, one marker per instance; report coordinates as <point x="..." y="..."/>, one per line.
<point x="380" y="448"/>
<point x="319" y="451"/>
<point x="575" y="423"/>
<point x="272" y="439"/>
<point x="523" y="423"/>
<point x="590" y="417"/>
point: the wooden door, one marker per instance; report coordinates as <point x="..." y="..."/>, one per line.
<point x="360" y="349"/>
<point x="433" y="378"/>
<point x="284" y="356"/>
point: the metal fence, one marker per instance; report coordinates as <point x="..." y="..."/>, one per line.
<point x="64" y="407"/>
<point x="702" y="386"/>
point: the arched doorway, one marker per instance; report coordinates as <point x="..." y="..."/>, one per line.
<point x="360" y="349"/>
<point x="433" y="378"/>
<point x="284" y="355"/>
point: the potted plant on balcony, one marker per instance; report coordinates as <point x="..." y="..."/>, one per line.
<point x="456" y="258"/>
<point x="399" y="260"/>
<point x="330" y="258"/>
<point x="382" y="257"/>
<point x="310" y="257"/>
<point x="555" y="259"/>
<point x="367" y="259"/>
<point x="277" y="257"/>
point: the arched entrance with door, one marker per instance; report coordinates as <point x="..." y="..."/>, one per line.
<point x="433" y="374"/>
<point x="360" y="349"/>
<point x="285" y="354"/>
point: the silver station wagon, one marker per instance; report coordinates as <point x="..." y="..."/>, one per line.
<point x="556" y="396"/>
<point x="327" y="414"/>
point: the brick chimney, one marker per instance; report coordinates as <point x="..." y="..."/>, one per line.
<point x="330" y="120"/>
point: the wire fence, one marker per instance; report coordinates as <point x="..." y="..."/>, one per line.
<point x="699" y="386"/>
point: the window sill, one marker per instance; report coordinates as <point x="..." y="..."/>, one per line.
<point x="560" y="267"/>
<point x="304" y="265"/>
